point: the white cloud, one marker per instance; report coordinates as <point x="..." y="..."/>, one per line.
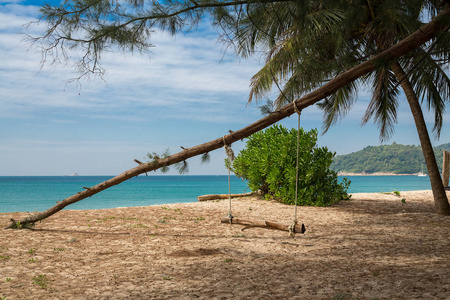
<point x="10" y="1"/>
<point x="179" y="70"/>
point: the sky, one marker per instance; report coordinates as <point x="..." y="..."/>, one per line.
<point x="187" y="91"/>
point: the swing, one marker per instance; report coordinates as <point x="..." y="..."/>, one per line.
<point x="293" y="228"/>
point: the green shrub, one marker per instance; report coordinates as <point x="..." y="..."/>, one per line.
<point x="268" y="164"/>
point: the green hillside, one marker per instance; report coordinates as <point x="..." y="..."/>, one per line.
<point x="395" y="158"/>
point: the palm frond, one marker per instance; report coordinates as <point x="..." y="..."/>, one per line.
<point x="293" y="32"/>
<point x="431" y="84"/>
<point x="384" y="103"/>
<point x="324" y="20"/>
<point x="338" y="105"/>
<point x="441" y="49"/>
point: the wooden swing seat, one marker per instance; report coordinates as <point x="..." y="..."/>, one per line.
<point x="248" y="223"/>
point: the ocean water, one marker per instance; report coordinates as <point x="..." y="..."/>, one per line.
<point x="38" y="193"/>
<point x="380" y="184"/>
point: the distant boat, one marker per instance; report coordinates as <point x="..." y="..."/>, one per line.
<point x="421" y="174"/>
<point x="75" y="174"/>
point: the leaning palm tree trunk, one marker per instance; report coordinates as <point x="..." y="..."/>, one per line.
<point x="424" y="34"/>
<point x="440" y="198"/>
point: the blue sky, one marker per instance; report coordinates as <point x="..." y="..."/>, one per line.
<point x="185" y="92"/>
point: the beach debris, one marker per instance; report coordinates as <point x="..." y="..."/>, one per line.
<point x="225" y="196"/>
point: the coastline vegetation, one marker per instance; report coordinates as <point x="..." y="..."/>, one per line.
<point x="389" y="159"/>
<point x="268" y="163"/>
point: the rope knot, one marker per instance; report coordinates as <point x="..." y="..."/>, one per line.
<point x="230" y="217"/>
<point x="229" y="152"/>
<point x="292" y="228"/>
<point x="299" y="112"/>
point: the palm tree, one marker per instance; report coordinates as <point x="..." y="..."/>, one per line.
<point x="310" y="42"/>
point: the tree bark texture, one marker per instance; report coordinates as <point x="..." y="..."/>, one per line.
<point x="248" y="223"/>
<point x="440" y="197"/>
<point x="445" y="168"/>
<point x="424" y="34"/>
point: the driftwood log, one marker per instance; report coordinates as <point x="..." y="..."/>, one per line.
<point x="225" y="196"/>
<point x="249" y="223"/>
<point x="436" y="26"/>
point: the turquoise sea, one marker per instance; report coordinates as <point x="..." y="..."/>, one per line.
<point x="38" y="193"/>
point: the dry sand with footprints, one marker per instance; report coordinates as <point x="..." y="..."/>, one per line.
<point x="374" y="246"/>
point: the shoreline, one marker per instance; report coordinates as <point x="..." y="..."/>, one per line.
<point x="375" y="174"/>
<point x="235" y="198"/>
<point x="214" y="175"/>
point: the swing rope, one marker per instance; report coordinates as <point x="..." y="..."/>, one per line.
<point x="230" y="155"/>
<point x="294" y="221"/>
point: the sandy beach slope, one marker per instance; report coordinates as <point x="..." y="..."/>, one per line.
<point x="372" y="247"/>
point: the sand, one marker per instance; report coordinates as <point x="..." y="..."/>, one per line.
<point x="371" y="247"/>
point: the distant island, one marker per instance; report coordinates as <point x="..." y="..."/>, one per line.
<point x="394" y="159"/>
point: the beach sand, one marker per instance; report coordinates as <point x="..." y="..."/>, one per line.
<point x="371" y="247"/>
